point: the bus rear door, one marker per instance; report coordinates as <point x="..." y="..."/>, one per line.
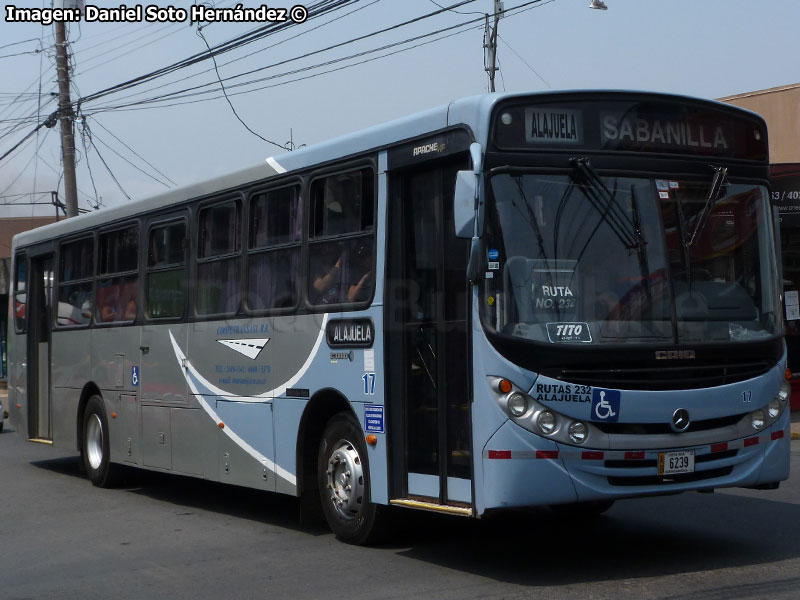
<point x="39" y="311"/>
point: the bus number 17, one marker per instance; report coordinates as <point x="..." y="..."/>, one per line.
<point x="369" y="383"/>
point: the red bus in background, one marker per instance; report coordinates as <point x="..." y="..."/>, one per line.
<point x="786" y="196"/>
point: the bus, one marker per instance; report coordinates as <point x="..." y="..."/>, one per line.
<point x="546" y="299"/>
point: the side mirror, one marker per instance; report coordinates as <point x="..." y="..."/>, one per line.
<point x="464" y="203"/>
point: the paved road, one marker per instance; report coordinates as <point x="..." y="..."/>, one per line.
<point x="170" y="537"/>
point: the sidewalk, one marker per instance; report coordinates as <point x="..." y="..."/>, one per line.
<point x="796" y="425"/>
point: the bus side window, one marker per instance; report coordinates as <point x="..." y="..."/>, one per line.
<point x="117" y="275"/>
<point x="20" y="292"/>
<point x="166" y="271"/>
<point x="273" y="264"/>
<point x="218" y="249"/>
<point x="75" y="272"/>
<point x="341" y="239"/>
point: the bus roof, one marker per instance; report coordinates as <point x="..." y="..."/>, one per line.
<point x="472" y="112"/>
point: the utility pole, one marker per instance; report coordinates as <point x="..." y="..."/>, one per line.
<point x="490" y="43"/>
<point x="65" y="117"/>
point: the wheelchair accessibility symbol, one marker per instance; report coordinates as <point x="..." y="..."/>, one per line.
<point x="605" y="405"/>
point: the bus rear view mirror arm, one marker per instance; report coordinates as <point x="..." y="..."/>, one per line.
<point x="466" y="199"/>
<point x="464" y="203"/>
<point x="475" y="263"/>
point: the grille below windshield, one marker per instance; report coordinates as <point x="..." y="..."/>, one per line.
<point x="662" y="378"/>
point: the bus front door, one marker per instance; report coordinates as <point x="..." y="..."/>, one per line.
<point x="40" y="302"/>
<point x="427" y="342"/>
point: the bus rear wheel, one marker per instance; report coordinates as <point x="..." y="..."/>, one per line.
<point x="95" y="450"/>
<point x="343" y="478"/>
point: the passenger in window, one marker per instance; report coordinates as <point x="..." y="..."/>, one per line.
<point x="116" y="302"/>
<point x="326" y="281"/>
<point x="130" y="310"/>
<point x="107" y="302"/>
<point x="360" y="274"/>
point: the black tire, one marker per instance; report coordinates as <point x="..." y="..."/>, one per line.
<point x="95" y="453"/>
<point x="584" y="510"/>
<point x="343" y="479"/>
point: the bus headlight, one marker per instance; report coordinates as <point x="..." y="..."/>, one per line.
<point x="517" y="404"/>
<point x="577" y="432"/>
<point x="774" y="408"/>
<point x="785" y="391"/>
<point x="757" y="419"/>
<point x="547" y="422"/>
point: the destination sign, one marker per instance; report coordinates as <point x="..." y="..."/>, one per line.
<point x="619" y="122"/>
<point x="649" y="132"/>
<point x="553" y="126"/>
<point x="350" y="333"/>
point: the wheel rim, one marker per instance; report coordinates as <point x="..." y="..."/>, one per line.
<point x="345" y="477"/>
<point x="94" y="441"/>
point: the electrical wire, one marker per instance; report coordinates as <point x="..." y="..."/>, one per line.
<point x="321" y="7"/>
<point x="94" y="136"/>
<point x="140" y="157"/>
<point x="460" y="12"/>
<point x="178" y="93"/>
<point x="535" y="72"/>
<point x="110" y="172"/>
<point x="174" y="27"/>
<point x="18" y="43"/>
<point x="182" y="94"/>
<point x="270" y="47"/>
<point x="311" y="76"/>
<point x="19" y="143"/>
<point x="236" y="114"/>
<point x="25" y="168"/>
<point x="20" y="54"/>
<point x="84" y="133"/>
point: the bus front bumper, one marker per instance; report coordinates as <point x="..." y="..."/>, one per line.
<point x="522" y="469"/>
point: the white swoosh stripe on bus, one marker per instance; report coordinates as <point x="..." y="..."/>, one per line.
<point x="195" y="379"/>
<point x="275" y="165"/>
<point x="215" y="391"/>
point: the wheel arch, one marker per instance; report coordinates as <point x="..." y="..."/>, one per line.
<point x="89" y="390"/>
<point x="322" y="406"/>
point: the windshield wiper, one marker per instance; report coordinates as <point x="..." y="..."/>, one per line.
<point x="714" y="194"/>
<point x="606" y="203"/>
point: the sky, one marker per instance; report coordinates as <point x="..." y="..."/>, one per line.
<point x="702" y="48"/>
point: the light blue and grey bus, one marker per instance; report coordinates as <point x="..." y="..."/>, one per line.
<point x="515" y="300"/>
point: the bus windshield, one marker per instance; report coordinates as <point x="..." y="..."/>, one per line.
<point x="588" y="259"/>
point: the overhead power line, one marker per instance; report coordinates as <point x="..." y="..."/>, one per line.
<point x="315" y="10"/>
<point x="222" y="86"/>
<point x="132" y="151"/>
<point x="251" y="54"/>
<point x="198" y="90"/>
<point x="177" y="93"/>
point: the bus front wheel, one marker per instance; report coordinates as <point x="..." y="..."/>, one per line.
<point x="95" y="451"/>
<point x="343" y="478"/>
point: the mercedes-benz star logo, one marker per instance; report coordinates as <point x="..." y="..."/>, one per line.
<point x="680" y="420"/>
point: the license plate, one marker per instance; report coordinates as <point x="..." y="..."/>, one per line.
<point x="676" y="462"/>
